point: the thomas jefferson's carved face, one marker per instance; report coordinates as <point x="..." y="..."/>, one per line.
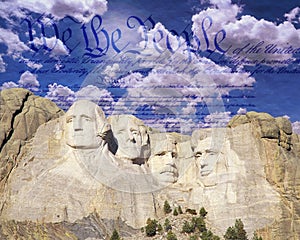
<point x="81" y="126"/>
<point x="132" y="137"/>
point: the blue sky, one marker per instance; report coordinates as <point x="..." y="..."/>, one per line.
<point x="127" y="56"/>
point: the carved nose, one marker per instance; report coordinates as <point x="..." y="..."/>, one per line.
<point x="77" y="125"/>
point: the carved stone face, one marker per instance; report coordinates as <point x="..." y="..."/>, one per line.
<point x="132" y="137"/>
<point x="81" y="125"/>
<point x="206" y="156"/>
<point x="162" y="162"/>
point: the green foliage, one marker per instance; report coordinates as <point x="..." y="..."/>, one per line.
<point x="167" y="225"/>
<point x="230" y="234"/>
<point x="256" y="237"/>
<point x="142" y="229"/>
<point x="191" y="211"/>
<point x="115" y="235"/>
<point x="188" y="227"/>
<point x="240" y="231"/>
<point x="180" y="210"/>
<point x="159" y="228"/>
<point x="208" y="235"/>
<point x="203" y="212"/>
<point x="236" y="232"/>
<point x="194" y="237"/>
<point x="175" y="213"/>
<point x="199" y="223"/>
<point x="171" y="236"/>
<point x="167" y="207"/>
<point x="151" y="227"/>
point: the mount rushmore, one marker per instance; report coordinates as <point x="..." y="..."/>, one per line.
<point x="61" y="167"/>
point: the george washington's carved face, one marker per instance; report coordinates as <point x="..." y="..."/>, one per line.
<point x="81" y="126"/>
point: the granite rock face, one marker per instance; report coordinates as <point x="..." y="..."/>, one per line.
<point x="21" y="113"/>
<point x="278" y="153"/>
<point x="80" y="168"/>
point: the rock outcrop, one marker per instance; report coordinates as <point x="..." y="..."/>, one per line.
<point x="21" y="113"/>
<point x="56" y="185"/>
<point x="278" y="150"/>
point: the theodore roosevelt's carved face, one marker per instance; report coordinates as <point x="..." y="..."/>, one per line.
<point x="81" y="125"/>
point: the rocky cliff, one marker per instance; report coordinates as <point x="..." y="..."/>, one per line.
<point x="65" y="188"/>
<point x="21" y="113"/>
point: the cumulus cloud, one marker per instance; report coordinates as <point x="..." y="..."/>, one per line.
<point x="56" y="46"/>
<point x="29" y="81"/>
<point x="111" y="72"/>
<point x="14" y="45"/>
<point x="8" y="85"/>
<point x="184" y="126"/>
<point x="246" y="32"/>
<point x="217" y="119"/>
<point x="63" y="96"/>
<point x="294" y="15"/>
<point x="296" y="127"/>
<point x="242" y="111"/>
<point x="82" y="10"/>
<point x="102" y="97"/>
<point x="176" y="83"/>
<point x="2" y="65"/>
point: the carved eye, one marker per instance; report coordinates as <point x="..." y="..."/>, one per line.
<point x="69" y="120"/>
<point x="198" y="154"/>
<point x="87" y="119"/>
<point x="134" y="132"/>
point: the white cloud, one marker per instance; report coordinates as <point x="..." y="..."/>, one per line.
<point x="217" y="119"/>
<point x="294" y="15"/>
<point x="286" y="116"/>
<point x="82" y="10"/>
<point x="111" y="71"/>
<point x="64" y="97"/>
<point x="242" y="111"/>
<point x="13" y="42"/>
<point x="2" y="65"/>
<point x="56" y="45"/>
<point x="29" y="81"/>
<point x="184" y="126"/>
<point x="102" y="97"/>
<point x="246" y="30"/>
<point x="296" y="127"/>
<point x="34" y="65"/>
<point x="8" y="85"/>
<point x="61" y="95"/>
<point x="177" y="83"/>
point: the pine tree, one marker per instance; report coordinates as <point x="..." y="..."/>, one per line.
<point x="199" y="223"/>
<point x="180" y="210"/>
<point x="159" y="228"/>
<point x="115" y="235"/>
<point x="237" y="232"/>
<point x="230" y="234"/>
<point x="203" y="212"/>
<point x="175" y="213"/>
<point x="151" y="227"/>
<point x="240" y="231"/>
<point x="167" y="207"/>
<point x="208" y="235"/>
<point x="171" y="236"/>
<point x="256" y="237"/>
<point x="194" y="237"/>
<point x="188" y="227"/>
<point x="167" y="225"/>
